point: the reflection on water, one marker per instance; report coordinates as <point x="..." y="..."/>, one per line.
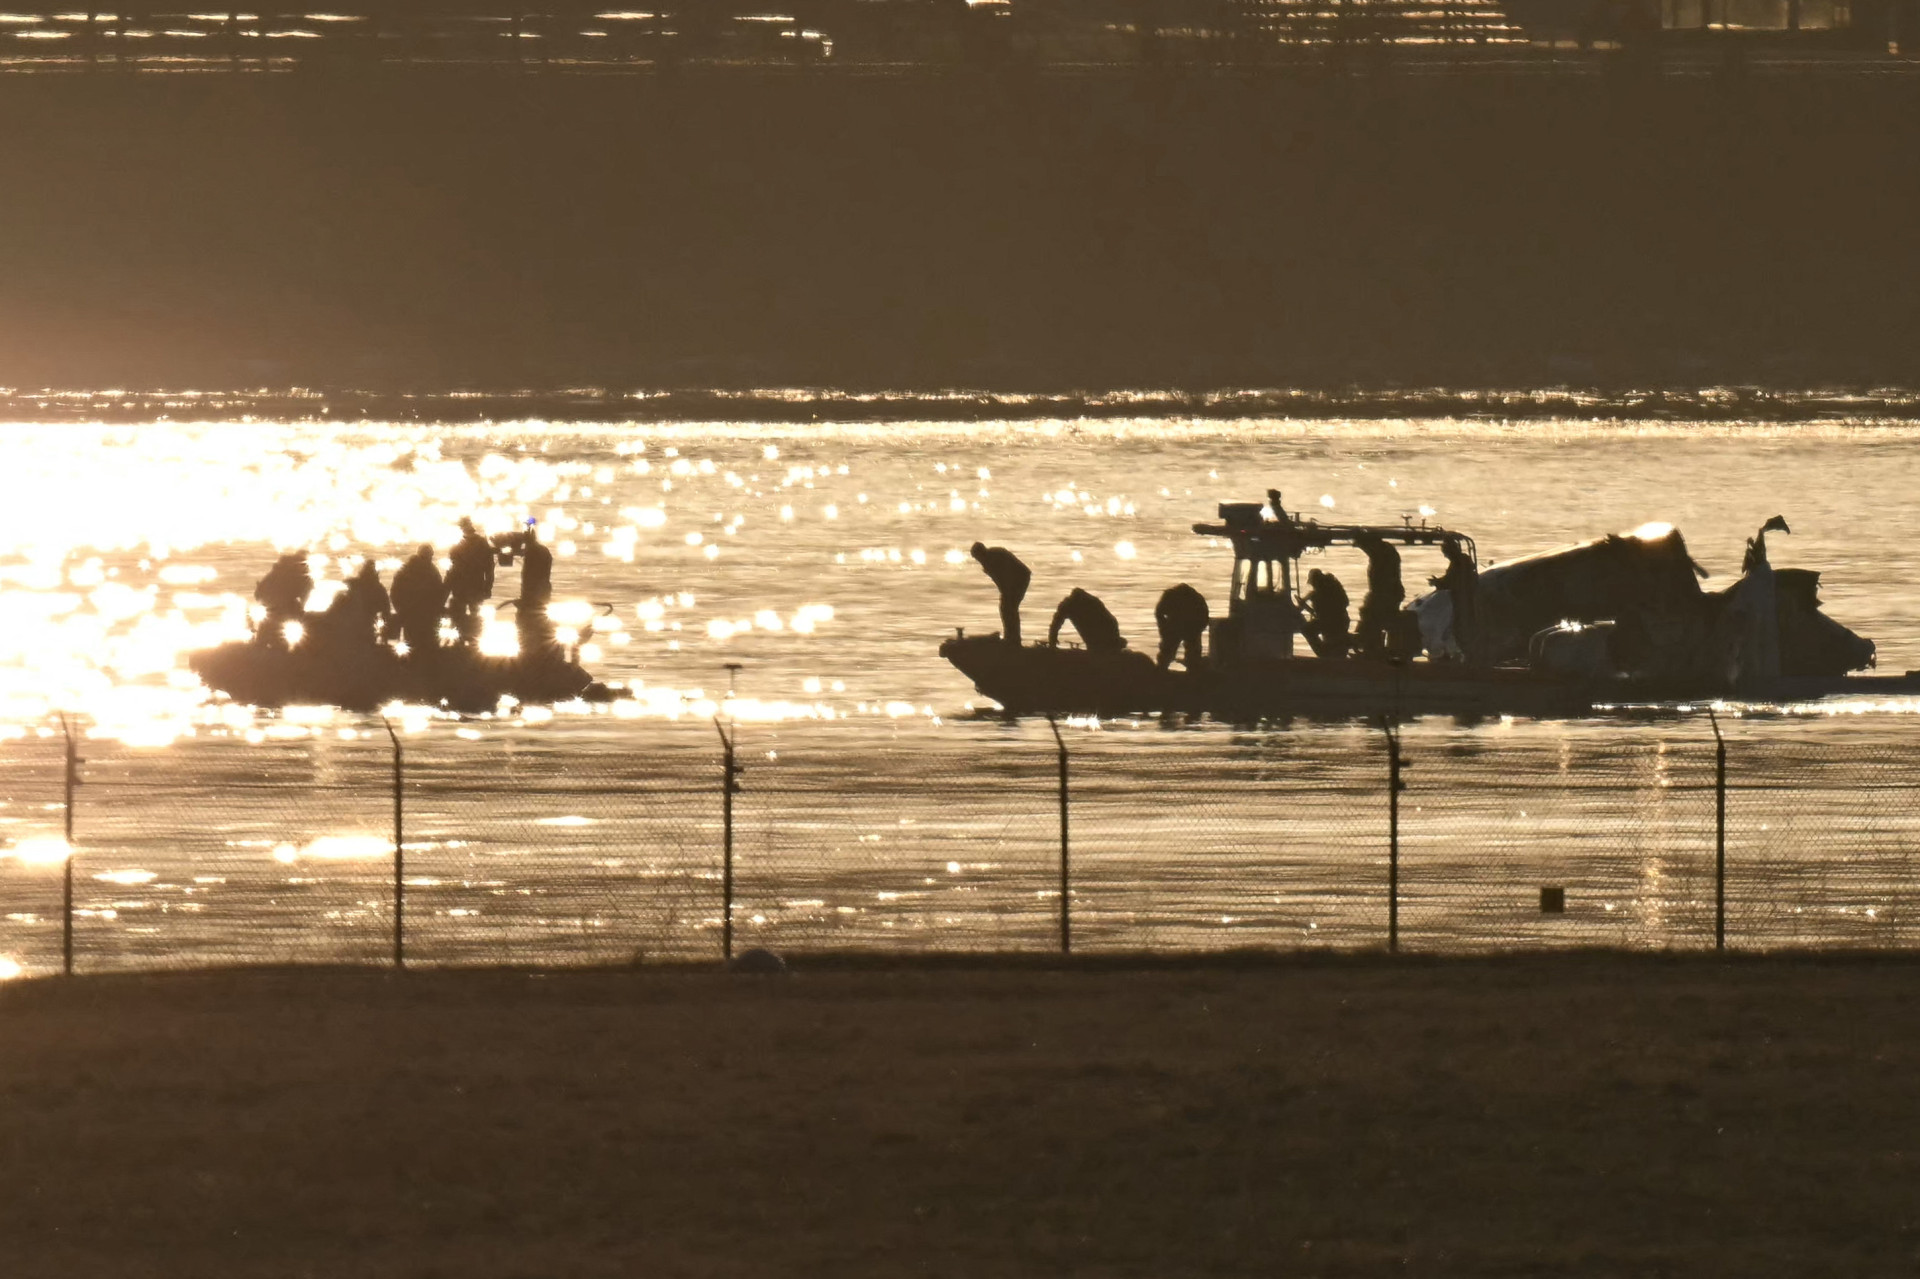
<point x="827" y="558"/>
<point x="883" y="805"/>
<point x="597" y="841"/>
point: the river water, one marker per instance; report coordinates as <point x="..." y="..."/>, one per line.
<point x="819" y="545"/>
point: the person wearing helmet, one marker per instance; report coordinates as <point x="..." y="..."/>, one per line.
<point x="283" y="594"/>
<point x="469" y="581"/>
<point x="419" y="600"/>
<point x="1327" y="614"/>
<point x="536" y="592"/>
<point x="361" y="612"/>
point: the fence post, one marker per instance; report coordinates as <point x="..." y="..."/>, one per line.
<point x="729" y="787"/>
<point x="399" y="851"/>
<point x="1066" y="885"/>
<point x="73" y="762"/>
<point x="1719" y="833"/>
<point x="1395" y="762"/>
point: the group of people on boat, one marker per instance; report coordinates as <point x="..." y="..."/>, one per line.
<point x="367" y="615"/>
<point x="1625" y="615"/>
<point x="1181" y="615"/>
<point x="1324" y="614"/>
<point x="1089" y="616"/>
<point x="1385" y="629"/>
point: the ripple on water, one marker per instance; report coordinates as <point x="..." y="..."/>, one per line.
<point x="827" y="558"/>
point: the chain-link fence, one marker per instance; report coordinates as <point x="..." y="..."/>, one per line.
<point x="615" y="841"/>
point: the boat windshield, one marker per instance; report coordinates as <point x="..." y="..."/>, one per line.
<point x="1259" y="577"/>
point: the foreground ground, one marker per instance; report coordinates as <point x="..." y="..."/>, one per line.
<point x="1519" y="1116"/>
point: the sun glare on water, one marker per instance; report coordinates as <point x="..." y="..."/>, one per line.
<point x="128" y="548"/>
<point x="835" y="552"/>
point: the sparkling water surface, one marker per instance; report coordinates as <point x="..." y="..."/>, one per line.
<point x="828" y="559"/>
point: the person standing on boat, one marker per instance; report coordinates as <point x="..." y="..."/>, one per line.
<point x="1093" y="619"/>
<point x="1011" y="578"/>
<point x="469" y="580"/>
<point x="419" y="598"/>
<point x="1182" y="617"/>
<point x="358" y="614"/>
<point x="1461" y="582"/>
<point x="536" y="592"/>
<point x="1327" y="615"/>
<point x="536" y="568"/>
<point x="1385" y="594"/>
<point x="283" y="594"/>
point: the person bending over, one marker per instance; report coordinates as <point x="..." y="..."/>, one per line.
<point x="1011" y="578"/>
<point x="1098" y="629"/>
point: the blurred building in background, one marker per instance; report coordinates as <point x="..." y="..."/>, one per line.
<point x="903" y="34"/>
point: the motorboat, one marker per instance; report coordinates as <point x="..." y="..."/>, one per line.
<point x="1616" y="620"/>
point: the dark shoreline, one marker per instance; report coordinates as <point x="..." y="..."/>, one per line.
<point x="1014" y="233"/>
<point x="1576" y="1115"/>
<point x="1737" y="408"/>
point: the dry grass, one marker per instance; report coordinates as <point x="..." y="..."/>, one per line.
<point x="1518" y="1116"/>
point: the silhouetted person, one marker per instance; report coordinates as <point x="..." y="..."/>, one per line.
<point x="1098" y="629"/>
<point x="283" y="594"/>
<point x="469" y="580"/>
<point x="1011" y="578"/>
<point x="1752" y="612"/>
<point x="1182" y="617"/>
<point x="536" y="569"/>
<point x="1461" y="582"/>
<point x="536" y="592"/>
<point x="1327" y="615"/>
<point x="419" y="599"/>
<point x="360" y="613"/>
<point x="1385" y="594"/>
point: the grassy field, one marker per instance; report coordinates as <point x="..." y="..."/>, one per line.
<point x="1578" y="1115"/>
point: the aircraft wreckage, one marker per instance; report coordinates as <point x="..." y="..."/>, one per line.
<point x="1618" y="620"/>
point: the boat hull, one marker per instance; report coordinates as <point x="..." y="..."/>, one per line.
<point x="1036" y="679"/>
<point x="454" y="678"/>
